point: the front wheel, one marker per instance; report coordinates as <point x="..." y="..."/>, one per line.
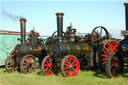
<point x="28" y="64"/>
<point x="48" y="66"/>
<point x="70" y="66"/>
<point x="11" y="64"/>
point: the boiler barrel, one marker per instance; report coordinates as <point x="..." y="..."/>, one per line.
<point x="79" y="50"/>
<point x="40" y="50"/>
<point x="24" y="49"/>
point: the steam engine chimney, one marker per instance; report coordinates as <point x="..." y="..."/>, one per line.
<point x="23" y="29"/>
<point x="59" y="24"/>
<point x="126" y="14"/>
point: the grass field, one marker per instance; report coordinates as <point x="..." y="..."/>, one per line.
<point x="37" y="78"/>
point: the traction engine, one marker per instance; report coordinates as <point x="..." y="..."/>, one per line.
<point x="24" y="55"/>
<point x="70" y="52"/>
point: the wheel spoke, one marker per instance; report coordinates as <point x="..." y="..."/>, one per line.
<point x="70" y="71"/>
<point x="95" y="32"/>
<point x="74" y="69"/>
<point x="103" y="59"/>
<point x="26" y="60"/>
<point x="115" y="59"/>
<point x="66" y="71"/>
<point x="50" y="60"/>
<point x="29" y="60"/>
<point x="50" y="71"/>
<point x="73" y="63"/>
<point x="69" y="61"/>
<point x="96" y="40"/>
<point x="46" y="65"/>
<point x="104" y="51"/>
<point x="25" y="66"/>
<point x="66" y="67"/>
<point x="101" y="32"/>
<point x="107" y="49"/>
<point x="46" y="68"/>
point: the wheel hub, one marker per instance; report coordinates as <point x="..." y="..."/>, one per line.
<point x="30" y="65"/>
<point x="50" y="65"/>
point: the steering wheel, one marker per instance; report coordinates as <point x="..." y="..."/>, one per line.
<point x="99" y="34"/>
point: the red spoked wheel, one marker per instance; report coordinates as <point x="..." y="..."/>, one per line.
<point x="28" y="64"/>
<point x="11" y="64"/>
<point x="70" y="66"/>
<point x="113" y="65"/>
<point x="48" y="66"/>
<point x="104" y="50"/>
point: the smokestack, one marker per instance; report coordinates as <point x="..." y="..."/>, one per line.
<point x="126" y="14"/>
<point x="59" y="24"/>
<point x="23" y="29"/>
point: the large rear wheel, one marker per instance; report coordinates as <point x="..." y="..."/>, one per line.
<point x="104" y="50"/>
<point x="114" y="65"/>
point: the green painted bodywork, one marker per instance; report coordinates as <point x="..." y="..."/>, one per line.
<point x="84" y="48"/>
<point x="35" y="53"/>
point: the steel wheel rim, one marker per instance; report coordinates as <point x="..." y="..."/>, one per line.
<point x="29" y="64"/>
<point x="49" y="67"/>
<point x="71" y="66"/>
<point x="109" y="47"/>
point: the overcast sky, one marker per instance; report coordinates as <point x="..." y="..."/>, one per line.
<point x="84" y="15"/>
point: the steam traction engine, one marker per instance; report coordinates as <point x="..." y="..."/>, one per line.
<point x="24" y="55"/>
<point x="69" y="50"/>
<point x="116" y="61"/>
